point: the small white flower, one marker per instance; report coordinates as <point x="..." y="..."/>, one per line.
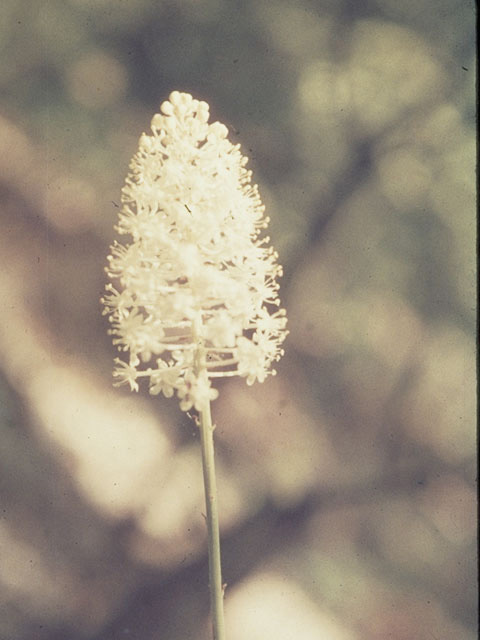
<point x="125" y="374"/>
<point x="251" y="361"/>
<point x="197" y="297"/>
<point x="165" y="379"/>
<point x="195" y="391"/>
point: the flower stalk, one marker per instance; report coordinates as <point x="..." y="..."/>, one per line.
<point x="211" y="502"/>
<point x="196" y="294"/>
<point x="211" y="497"/>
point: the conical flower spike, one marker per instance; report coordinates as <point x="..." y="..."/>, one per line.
<point x="195" y="293"/>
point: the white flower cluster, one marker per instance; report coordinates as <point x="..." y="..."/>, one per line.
<point x="197" y="294"/>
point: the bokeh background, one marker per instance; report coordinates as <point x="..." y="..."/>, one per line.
<point x="348" y="481"/>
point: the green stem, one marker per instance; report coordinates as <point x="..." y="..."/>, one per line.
<point x="211" y="500"/>
<point x="214" y="563"/>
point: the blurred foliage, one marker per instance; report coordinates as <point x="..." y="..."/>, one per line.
<point x="348" y="483"/>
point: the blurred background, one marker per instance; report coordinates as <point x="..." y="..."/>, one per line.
<point x="348" y="482"/>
